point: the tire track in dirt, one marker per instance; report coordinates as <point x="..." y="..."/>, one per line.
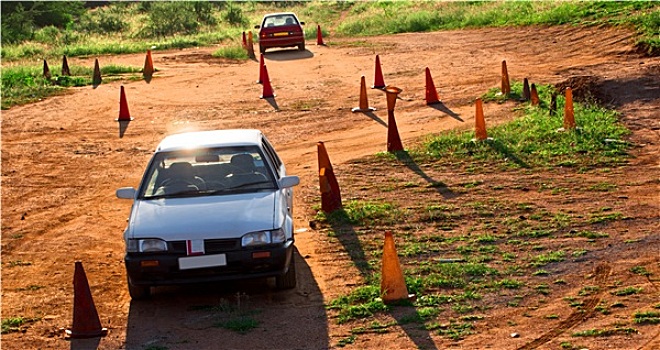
<point x="601" y="273"/>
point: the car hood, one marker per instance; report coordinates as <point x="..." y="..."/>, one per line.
<point x="208" y="217"/>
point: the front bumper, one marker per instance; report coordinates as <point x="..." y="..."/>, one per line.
<point x="143" y="271"/>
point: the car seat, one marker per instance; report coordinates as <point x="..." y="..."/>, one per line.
<point x="289" y="20"/>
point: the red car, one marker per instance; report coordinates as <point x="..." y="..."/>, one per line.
<point x="281" y="30"/>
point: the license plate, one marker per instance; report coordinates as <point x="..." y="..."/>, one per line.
<point x="281" y="34"/>
<point x="196" y="262"/>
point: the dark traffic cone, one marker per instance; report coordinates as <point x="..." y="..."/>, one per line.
<point x="250" y="46"/>
<point x="244" y="41"/>
<point x="431" y="92"/>
<point x="526" y="93"/>
<point x="479" y="122"/>
<point x="330" y="193"/>
<point x="148" y="70"/>
<point x="364" y="103"/>
<point x="534" y="96"/>
<point x="86" y="323"/>
<point x="124" y="115"/>
<point x="393" y="140"/>
<point x="65" y="67"/>
<point x="319" y="36"/>
<point x="506" y="87"/>
<point x="96" y="80"/>
<point x="262" y="67"/>
<point x="267" y="90"/>
<point x="379" y="82"/>
<point x="46" y="72"/>
<point x="393" y="283"/>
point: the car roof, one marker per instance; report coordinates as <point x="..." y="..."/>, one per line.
<point x="210" y="139"/>
<point x="280" y="14"/>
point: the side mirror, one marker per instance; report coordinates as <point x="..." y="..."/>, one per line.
<point x="302" y="23"/>
<point x="126" y="193"/>
<point x="289" y="181"/>
<point x="257" y="26"/>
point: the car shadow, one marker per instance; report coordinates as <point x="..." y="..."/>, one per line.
<point x="287" y="54"/>
<point x="249" y="314"/>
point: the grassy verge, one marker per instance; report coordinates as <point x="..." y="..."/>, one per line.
<point x="484" y="244"/>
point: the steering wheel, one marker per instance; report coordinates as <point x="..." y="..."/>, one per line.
<point x="177" y="182"/>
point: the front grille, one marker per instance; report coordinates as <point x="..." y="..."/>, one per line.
<point x="211" y="246"/>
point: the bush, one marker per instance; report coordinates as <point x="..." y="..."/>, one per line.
<point x="234" y="16"/>
<point x="169" y="18"/>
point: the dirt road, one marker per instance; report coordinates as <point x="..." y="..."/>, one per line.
<point x="63" y="158"/>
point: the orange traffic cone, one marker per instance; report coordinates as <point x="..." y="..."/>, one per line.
<point x="379" y="83"/>
<point x="250" y="46"/>
<point x="267" y="90"/>
<point x="526" y="94"/>
<point x="65" y="66"/>
<point x="392" y="284"/>
<point x="506" y="87"/>
<point x="569" y="118"/>
<point x="479" y="122"/>
<point x="262" y="67"/>
<point x="431" y="92"/>
<point x="534" y="96"/>
<point x="364" y="103"/>
<point x="393" y="140"/>
<point x="46" y="71"/>
<point x="148" y="69"/>
<point x="96" y="80"/>
<point x="124" y="115"/>
<point x="86" y="323"/>
<point x="319" y="36"/>
<point x="330" y="193"/>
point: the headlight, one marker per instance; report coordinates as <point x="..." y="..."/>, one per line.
<point x="263" y="237"/>
<point x="146" y="245"/>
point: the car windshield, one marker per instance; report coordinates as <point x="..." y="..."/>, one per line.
<point x="206" y="172"/>
<point x="279" y="20"/>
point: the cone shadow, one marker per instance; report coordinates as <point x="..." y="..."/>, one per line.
<point x="374" y="117"/>
<point x="501" y="148"/>
<point x="85" y="344"/>
<point x="123" y="125"/>
<point x="148" y="78"/>
<point x="272" y="102"/>
<point x="439" y="186"/>
<point x="442" y="108"/>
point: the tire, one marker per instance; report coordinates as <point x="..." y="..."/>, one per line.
<point x="288" y="280"/>
<point x="301" y="47"/>
<point x="138" y="292"/>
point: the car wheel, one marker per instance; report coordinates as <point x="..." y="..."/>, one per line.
<point x="138" y="292"/>
<point x="301" y="47"/>
<point x="288" y="280"/>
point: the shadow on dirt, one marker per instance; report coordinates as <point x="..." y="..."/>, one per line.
<point x="375" y="118"/>
<point x="288" y="55"/>
<point x="442" y="108"/>
<point x="247" y="314"/>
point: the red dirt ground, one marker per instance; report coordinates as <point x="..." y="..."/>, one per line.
<point x="63" y="158"/>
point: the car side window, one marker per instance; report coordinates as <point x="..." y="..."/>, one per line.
<point x="274" y="159"/>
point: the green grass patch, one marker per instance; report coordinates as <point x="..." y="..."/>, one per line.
<point x="240" y="324"/>
<point x="547" y="258"/>
<point x="15" y="324"/>
<point x="605" y="332"/>
<point x="627" y="291"/>
<point x="233" y="52"/>
<point x="646" y="317"/>
<point x="361" y="303"/>
<point x="362" y="213"/>
<point x="640" y="270"/>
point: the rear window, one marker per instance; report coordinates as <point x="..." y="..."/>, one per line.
<point x="279" y="20"/>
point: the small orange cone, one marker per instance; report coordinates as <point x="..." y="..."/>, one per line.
<point x="250" y="46"/>
<point x="526" y="94"/>
<point x="148" y="69"/>
<point x="96" y="80"/>
<point x="244" y="41"/>
<point x="379" y="82"/>
<point x="330" y="193"/>
<point x="364" y="103"/>
<point x="46" y="71"/>
<point x="65" y="67"/>
<point x="393" y="283"/>
<point x="86" y="323"/>
<point x="124" y="115"/>
<point x="393" y="140"/>
<point x="267" y="90"/>
<point x="262" y="67"/>
<point x="534" y="96"/>
<point x="479" y="122"/>
<point x="319" y="36"/>
<point x="506" y="87"/>
<point x="569" y="118"/>
<point x="431" y="92"/>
